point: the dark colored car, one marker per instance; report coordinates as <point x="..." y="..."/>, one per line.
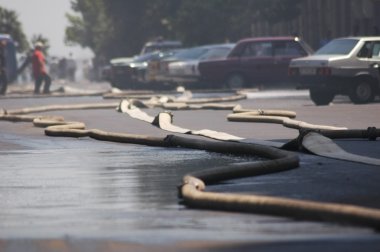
<point x="140" y="72"/>
<point x="253" y="61"/>
<point x="127" y="73"/>
<point x="121" y="72"/>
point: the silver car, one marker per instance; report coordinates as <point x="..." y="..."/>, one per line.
<point x="347" y="66"/>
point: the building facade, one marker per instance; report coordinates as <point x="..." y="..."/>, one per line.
<point x="322" y="20"/>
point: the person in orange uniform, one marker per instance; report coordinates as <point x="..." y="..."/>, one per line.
<point x="39" y="70"/>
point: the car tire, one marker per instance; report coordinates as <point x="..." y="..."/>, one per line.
<point x="362" y="92"/>
<point x="235" y="81"/>
<point x="321" y="96"/>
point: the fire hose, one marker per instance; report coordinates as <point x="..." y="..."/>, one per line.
<point x="192" y="190"/>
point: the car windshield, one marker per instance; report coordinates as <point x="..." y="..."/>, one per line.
<point x="338" y="47"/>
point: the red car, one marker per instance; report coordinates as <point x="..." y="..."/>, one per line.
<point x="254" y="60"/>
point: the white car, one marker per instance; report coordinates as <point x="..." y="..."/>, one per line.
<point x="347" y="66"/>
<point x="187" y="70"/>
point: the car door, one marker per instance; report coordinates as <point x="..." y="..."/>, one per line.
<point x="375" y="52"/>
<point x="368" y="55"/>
<point x="374" y="61"/>
<point x="256" y="61"/>
<point x="284" y="52"/>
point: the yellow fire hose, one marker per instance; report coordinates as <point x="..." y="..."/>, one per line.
<point x="192" y="190"/>
<point x="285" y="121"/>
<point x="47" y="108"/>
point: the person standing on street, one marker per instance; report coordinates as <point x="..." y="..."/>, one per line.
<point x="39" y="70"/>
<point x="3" y="70"/>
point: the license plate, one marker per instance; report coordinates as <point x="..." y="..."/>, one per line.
<point x="307" y="71"/>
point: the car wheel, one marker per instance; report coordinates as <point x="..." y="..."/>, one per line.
<point x="235" y="81"/>
<point x="362" y="92"/>
<point x="321" y="96"/>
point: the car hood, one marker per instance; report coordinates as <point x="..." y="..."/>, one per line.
<point x="316" y="60"/>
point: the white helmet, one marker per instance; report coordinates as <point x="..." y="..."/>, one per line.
<point x="38" y="44"/>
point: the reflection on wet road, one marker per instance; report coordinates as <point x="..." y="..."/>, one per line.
<point x="83" y="182"/>
<point x="54" y="187"/>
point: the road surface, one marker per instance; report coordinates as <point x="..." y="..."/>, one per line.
<point x="67" y="194"/>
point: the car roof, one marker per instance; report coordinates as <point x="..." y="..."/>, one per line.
<point x="364" y="38"/>
<point x="277" y="38"/>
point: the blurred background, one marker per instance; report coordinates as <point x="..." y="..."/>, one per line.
<point x="84" y="35"/>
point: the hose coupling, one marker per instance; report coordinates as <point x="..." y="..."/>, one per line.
<point x="194" y="182"/>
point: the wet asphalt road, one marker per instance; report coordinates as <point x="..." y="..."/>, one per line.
<point x="88" y="195"/>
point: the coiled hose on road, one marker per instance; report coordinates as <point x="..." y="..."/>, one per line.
<point x="192" y="190"/>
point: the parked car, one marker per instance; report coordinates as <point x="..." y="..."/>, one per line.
<point x="140" y="70"/>
<point x="254" y="60"/>
<point x="121" y="75"/>
<point x="186" y="70"/>
<point x="131" y="72"/>
<point x="158" y="71"/>
<point x="347" y="66"/>
<point x="157" y="68"/>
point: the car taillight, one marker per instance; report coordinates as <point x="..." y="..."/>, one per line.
<point x="292" y="71"/>
<point x="324" y="71"/>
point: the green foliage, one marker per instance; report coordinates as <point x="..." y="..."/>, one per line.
<point x="114" y="28"/>
<point x="275" y="11"/>
<point x="9" y="24"/>
<point x="202" y="22"/>
<point x="91" y="27"/>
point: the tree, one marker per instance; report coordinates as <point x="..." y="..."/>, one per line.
<point x="202" y="22"/>
<point x="9" y="24"/>
<point x="214" y="21"/>
<point x="275" y="11"/>
<point x="128" y="22"/>
<point x="90" y="27"/>
<point x="115" y="28"/>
